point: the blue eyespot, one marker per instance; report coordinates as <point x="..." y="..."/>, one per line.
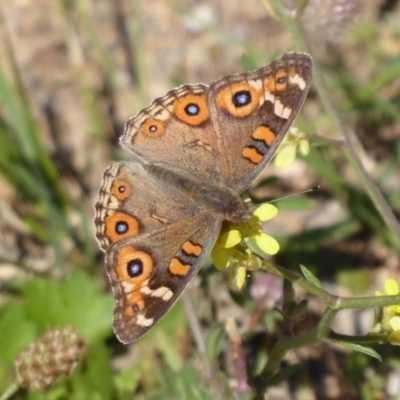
<point x="192" y="109"/>
<point x="121" y="227"/>
<point x="281" y="80"/>
<point x="241" y="98"/>
<point x="135" y="268"/>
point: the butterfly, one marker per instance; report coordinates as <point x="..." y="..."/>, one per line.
<point x="200" y="146"/>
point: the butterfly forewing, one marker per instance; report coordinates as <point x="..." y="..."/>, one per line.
<point x="252" y="113"/>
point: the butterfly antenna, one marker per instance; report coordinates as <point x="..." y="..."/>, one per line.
<point x="310" y="190"/>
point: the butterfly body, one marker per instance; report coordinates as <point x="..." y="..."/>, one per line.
<point x="222" y="202"/>
<point x="201" y="147"/>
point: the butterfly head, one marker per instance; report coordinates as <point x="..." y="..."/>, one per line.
<point x="237" y="211"/>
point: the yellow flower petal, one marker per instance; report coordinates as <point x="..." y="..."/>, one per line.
<point x="241" y="277"/>
<point x="388" y="314"/>
<point x="391" y="287"/>
<point x="395" y="323"/>
<point x="267" y="243"/>
<point x="396" y="309"/>
<point x="220" y="258"/>
<point x="265" y="212"/>
<point x="304" y="147"/>
<point x="394" y="338"/>
<point x="285" y="156"/>
<point x="230" y="239"/>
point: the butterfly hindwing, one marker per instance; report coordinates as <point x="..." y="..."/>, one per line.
<point x="148" y="273"/>
<point x="155" y="242"/>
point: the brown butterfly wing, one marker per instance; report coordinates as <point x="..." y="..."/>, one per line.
<point x="155" y="237"/>
<point x="155" y="243"/>
<point x="175" y="131"/>
<point x="253" y="112"/>
<point x="225" y="134"/>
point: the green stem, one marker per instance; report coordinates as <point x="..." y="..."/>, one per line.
<point x="324" y="326"/>
<point x="286" y="344"/>
<point x="334" y="302"/>
<point x="329" y="299"/>
<point x="323" y="332"/>
<point x="283" y="346"/>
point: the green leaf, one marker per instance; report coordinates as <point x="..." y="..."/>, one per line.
<point x="215" y="341"/>
<point x="166" y="345"/>
<point x="76" y="301"/>
<point x="168" y="340"/>
<point x="93" y="379"/>
<point x="190" y="385"/>
<point x="361" y="349"/>
<point x="310" y="276"/>
<point x="283" y="374"/>
<point x="16" y="335"/>
<point x="127" y="381"/>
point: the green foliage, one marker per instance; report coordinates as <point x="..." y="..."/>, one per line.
<point x="17" y="332"/>
<point x="75" y="301"/>
<point x="362" y="349"/>
<point x="310" y="276"/>
<point x="214" y="342"/>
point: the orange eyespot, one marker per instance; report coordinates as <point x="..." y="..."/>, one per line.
<point x="120" y="225"/>
<point x="152" y="128"/>
<point x="191" y="109"/>
<point x="121" y="190"/>
<point x="134" y="266"/>
<point x="240" y="99"/>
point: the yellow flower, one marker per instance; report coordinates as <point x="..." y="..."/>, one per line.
<point x="392" y="289"/>
<point x="286" y="152"/>
<point x="227" y="239"/>
<point x="232" y="248"/>
<point x="391" y="314"/>
<point x="241" y="267"/>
